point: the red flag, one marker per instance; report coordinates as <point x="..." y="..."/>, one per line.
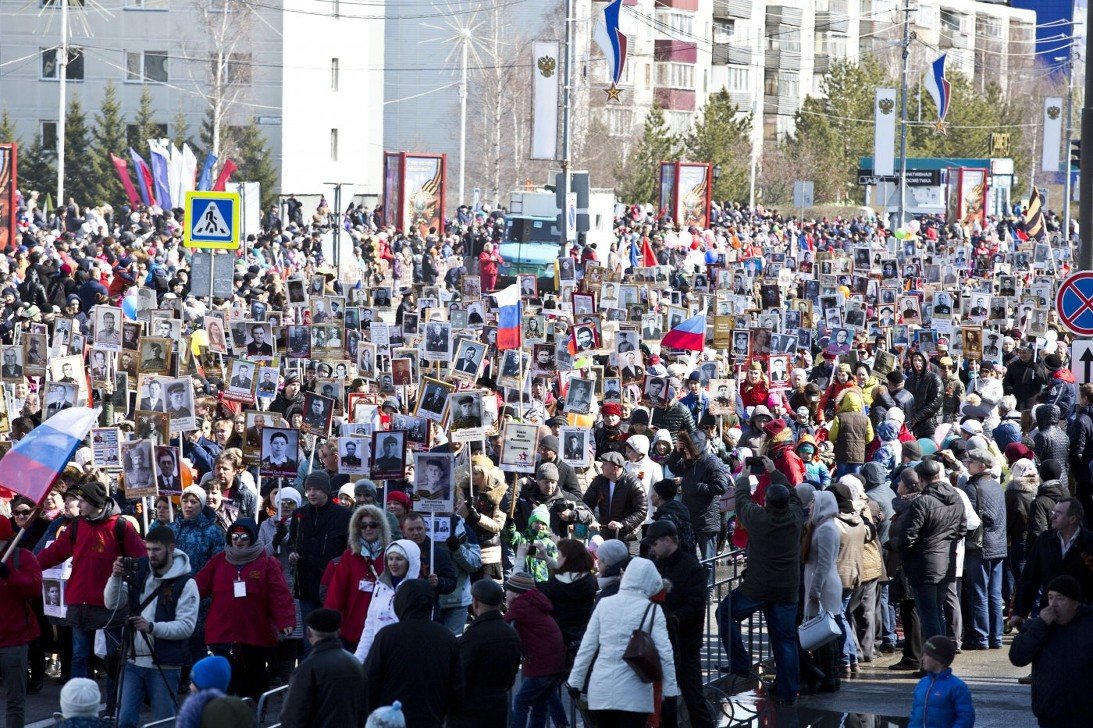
<point x="648" y="257"/>
<point x="225" y="175"/>
<point x="122" y="168"/>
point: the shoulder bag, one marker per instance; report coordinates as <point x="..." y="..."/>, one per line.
<point x="641" y="653"/>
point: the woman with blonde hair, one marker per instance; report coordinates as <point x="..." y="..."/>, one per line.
<point x="481" y="510"/>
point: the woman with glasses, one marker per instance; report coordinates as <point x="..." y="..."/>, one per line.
<point x="251" y="608"/>
<point x="353" y="581"/>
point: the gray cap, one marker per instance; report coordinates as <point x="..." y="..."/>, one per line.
<point x="614" y="458"/>
<point x="550" y="442"/>
<point x="980" y="456"/>
<point x="547" y="471"/>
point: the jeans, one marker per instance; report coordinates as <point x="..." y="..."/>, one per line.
<point x="983" y="583"/>
<point x="83" y="651"/>
<point x="929" y="600"/>
<point x="848" y="643"/>
<point x="842" y="469"/>
<point x="141" y="682"/>
<point x="538" y="695"/>
<point x="454" y="618"/>
<point x="887" y="622"/>
<point x="781" y="620"/>
<point x="13" y="664"/>
<point x="707" y="545"/>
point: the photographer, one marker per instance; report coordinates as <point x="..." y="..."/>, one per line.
<point x="565" y="511"/>
<point x="161" y="627"/>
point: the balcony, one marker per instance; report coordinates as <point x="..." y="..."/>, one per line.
<point x="742" y="100"/>
<point x="780" y="105"/>
<point x="783" y="60"/>
<point x="734" y="53"/>
<point x="954" y="39"/>
<point x="784" y="15"/>
<point x="732" y="9"/>
<point x="832" y="21"/>
<point x="822" y="63"/>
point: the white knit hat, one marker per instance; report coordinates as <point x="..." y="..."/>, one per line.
<point x="198" y="492"/>
<point x="80" y="698"/>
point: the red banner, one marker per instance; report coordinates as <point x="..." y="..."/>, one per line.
<point x="122" y="168"/>
<point x="9" y="234"/>
<point x="225" y="175"/>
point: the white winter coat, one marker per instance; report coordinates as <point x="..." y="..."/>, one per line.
<point x="381" y="610"/>
<point x="614" y="684"/>
<point x="823" y="588"/>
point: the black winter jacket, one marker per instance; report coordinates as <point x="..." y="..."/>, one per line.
<point x="1081" y="444"/>
<point x="1050" y="441"/>
<point x="489" y="650"/>
<point x="1046" y="561"/>
<point x="928" y="392"/>
<point x="318" y="535"/>
<point x="991" y="510"/>
<point x="1062" y="663"/>
<point x="673" y="419"/>
<point x="704" y="481"/>
<point x="628" y="506"/>
<point x="325" y="691"/>
<point x="925" y="535"/>
<point x="685" y="602"/>
<point x="1039" y="513"/>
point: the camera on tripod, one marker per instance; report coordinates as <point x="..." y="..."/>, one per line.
<point x="130" y="564"/>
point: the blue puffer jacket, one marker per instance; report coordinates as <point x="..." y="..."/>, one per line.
<point x="200" y="538"/>
<point x="942" y="701"/>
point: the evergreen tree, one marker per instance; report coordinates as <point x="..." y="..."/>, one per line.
<point x="7" y="129"/>
<point x="108" y="137"/>
<point x="79" y="167"/>
<point x="37" y="172"/>
<point x="254" y="163"/>
<point x="642" y="167"/>
<point x="180" y="131"/>
<point x="144" y="124"/>
<point x="721" y="136"/>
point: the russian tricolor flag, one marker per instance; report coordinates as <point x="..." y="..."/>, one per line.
<point x="33" y="465"/>
<point x="689" y="335"/>
<point x="939" y="88"/>
<point x="508" y="318"/>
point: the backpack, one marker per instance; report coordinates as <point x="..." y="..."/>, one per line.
<point x="119" y="532"/>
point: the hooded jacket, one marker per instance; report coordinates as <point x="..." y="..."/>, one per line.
<point x="926" y="388"/>
<point x="925" y="534"/>
<point x="890" y="452"/>
<point x="1050" y="441"/>
<point x="18" y="590"/>
<point x="878" y="491"/>
<point x="178" y="630"/>
<point x="200" y="537"/>
<point x="381" y="607"/>
<point x="823" y="588"/>
<point x="851" y="430"/>
<point x="415" y="661"/>
<point x="542" y="649"/>
<point x="353" y="581"/>
<point x="1048" y="494"/>
<point x="1062" y="391"/>
<point x="704" y="481"/>
<point x="1080" y="433"/>
<point x="989" y="503"/>
<point x="613" y="684"/>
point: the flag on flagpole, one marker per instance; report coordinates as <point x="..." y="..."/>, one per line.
<point x="122" y="168"/>
<point x="161" y="166"/>
<point x="174" y="174"/>
<point x="1033" y="219"/>
<point x="144" y="178"/>
<point x="689" y="335"/>
<point x="612" y="42"/>
<point x="206" y="178"/>
<point x="225" y="175"/>
<point x="189" y="169"/>
<point x="508" y="318"/>
<point x="939" y="89"/>
<point x="34" y="463"/>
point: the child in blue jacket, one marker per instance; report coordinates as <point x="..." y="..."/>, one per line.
<point x="942" y="700"/>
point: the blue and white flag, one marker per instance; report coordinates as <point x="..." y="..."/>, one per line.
<point x="939" y="89"/>
<point x="612" y="42"/>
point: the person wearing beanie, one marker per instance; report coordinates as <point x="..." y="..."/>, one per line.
<point x="1024" y="377"/>
<point x="318" y="534"/>
<point x="80" y="700"/>
<point x="94" y="541"/>
<point x="941" y="698"/>
<point x="638" y="464"/>
<point x="251" y="607"/>
<point x="697" y="400"/>
<point x="207" y="704"/>
<point x="163" y="615"/>
<point x="211" y="673"/>
<point x="567" y="476"/>
<point x="352" y="580"/>
<point x="639" y="421"/>
<point x="779" y="448"/>
<point x="489" y="650"/>
<point x="20" y="587"/>
<point x="399" y="503"/>
<point x="319" y="693"/>
<point x="535" y="549"/>
<point x="612" y="556"/>
<point x="390" y="716"/>
<point x="1058" y="643"/>
<point x="608" y="433"/>
<point x="666" y="507"/>
<point x="1052" y="491"/>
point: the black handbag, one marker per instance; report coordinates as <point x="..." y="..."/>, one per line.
<point x="641" y="653"/>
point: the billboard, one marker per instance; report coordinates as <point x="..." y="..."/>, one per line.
<point x="413" y="192"/>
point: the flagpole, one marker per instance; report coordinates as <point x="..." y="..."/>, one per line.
<point x="907" y="10"/>
<point x="1085" y="167"/>
<point x="567" y="83"/>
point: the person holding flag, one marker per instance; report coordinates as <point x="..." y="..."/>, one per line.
<point x="20" y="585"/>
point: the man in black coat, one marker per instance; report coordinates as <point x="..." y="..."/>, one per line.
<point x="704" y="480"/>
<point x="685" y="606"/>
<point x="489" y="651"/>
<point x="927" y="389"/>
<point x="1081" y="448"/>
<point x="325" y="690"/>
<point x="1047" y="561"/>
<point x="617" y="501"/>
<point x="1024" y="378"/>
<point x="415" y="661"/>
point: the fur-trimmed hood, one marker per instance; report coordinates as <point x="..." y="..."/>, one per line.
<point x="355" y="527"/>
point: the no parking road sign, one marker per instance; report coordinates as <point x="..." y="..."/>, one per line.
<point x="1074" y="303"/>
<point x="212" y="220"/>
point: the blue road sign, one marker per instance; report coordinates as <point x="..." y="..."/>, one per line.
<point x="212" y="220"/>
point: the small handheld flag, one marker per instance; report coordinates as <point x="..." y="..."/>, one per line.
<point x="33" y="465"/>
<point x="508" y="318"/>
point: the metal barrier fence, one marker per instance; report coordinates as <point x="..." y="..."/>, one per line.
<point x="726" y="573"/>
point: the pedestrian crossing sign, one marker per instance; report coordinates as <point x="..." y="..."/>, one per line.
<point x="212" y="220"/>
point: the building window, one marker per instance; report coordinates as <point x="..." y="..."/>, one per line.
<point x="724" y="30"/>
<point x="952" y="22"/>
<point x="831" y="44"/>
<point x="334" y="71"/>
<point x="150" y="66"/>
<point x="333" y="145"/>
<point x="737" y="78"/>
<point x="49" y="135"/>
<point x="781" y="83"/>
<point x="676" y="75"/>
<point x="74" y="69"/>
<point x="146" y="4"/>
<point x="676" y="24"/>
<point x="618" y="122"/>
<point x="132" y="135"/>
<point x="785" y="38"/>
<point x="992" y="27"/>
<point x="236" y="68"/>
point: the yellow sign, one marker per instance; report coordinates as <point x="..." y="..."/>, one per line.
<point x="212" y="220"/>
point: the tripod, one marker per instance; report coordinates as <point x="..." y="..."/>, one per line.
<point x="127" y="650"/>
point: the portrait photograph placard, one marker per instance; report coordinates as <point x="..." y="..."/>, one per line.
<point x="434" y="482"/>
<point x="388" y="455"/>
<point x="279" y="453"/>
<point x="574" y="446"/>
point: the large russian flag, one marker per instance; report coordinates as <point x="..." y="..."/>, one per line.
<point x="508" y="318"/>
<point x="33" y="465"/>
<point x="689" y="335"/>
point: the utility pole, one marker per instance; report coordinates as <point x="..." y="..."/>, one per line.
<point x="756" y="136"/>
<point x="337" y="220"/>
<point x="463" y="118"/>
<point x="1085" y="168"/>
<point x="907" y="37"/>
<point x="567" y="83"/>
<point x="62" y="72"/>
<point x="1066" y="146"/>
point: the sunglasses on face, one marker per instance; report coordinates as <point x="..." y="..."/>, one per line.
<point x="369" y="524"/>
<point x="21" y="513"/>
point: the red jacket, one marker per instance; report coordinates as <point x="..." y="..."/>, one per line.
<point x="93" y="555"/>
<point x="789" y="464"/>
<point x="346" y="593"/>
<point x="753" y="395"/>
<point x="18" y="625"/>
<point x="542" y="649"/>
<point x="254" y="619"/>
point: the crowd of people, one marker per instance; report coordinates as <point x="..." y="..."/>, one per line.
<point x="374" y="486"/>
